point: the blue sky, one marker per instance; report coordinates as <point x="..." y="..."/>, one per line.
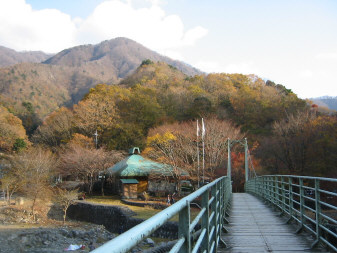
<point x="292" y="42"/>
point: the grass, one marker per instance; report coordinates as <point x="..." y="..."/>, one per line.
<point x="141" y="212"/>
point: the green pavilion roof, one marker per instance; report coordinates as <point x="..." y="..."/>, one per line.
<point x="136" y="165"/>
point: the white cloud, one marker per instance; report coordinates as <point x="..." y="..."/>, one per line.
<point x="215" y="67"/>
<point x="23" y="28"/>
<point x="305" y="74"/>
<point x="50" y="30"/>
<point x="327" y="56"/>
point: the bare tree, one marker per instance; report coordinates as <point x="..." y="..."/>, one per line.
<point x="85" y="162"/>
<point x="37" y="168"/>
<point x="293" y="136"/>
<point x="12" y="181"/>
<point x="65" y="198"/>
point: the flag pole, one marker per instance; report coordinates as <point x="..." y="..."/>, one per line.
<point x="198" y="154"/>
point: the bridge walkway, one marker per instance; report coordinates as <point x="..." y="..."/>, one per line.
<point x="255" y="227"/>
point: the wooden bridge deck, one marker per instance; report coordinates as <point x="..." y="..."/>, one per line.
<point x="255" y="227"/>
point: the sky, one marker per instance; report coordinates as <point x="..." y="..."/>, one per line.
<point x="291" y="42"/>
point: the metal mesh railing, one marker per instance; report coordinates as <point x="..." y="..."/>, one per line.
<point x="215" y="198"/>
<point x="310" y="201"/>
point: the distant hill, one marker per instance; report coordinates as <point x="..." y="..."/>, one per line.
<point x="112" y="60"/>
<point x="10" y="57"/>
<point x="326" y="101"/>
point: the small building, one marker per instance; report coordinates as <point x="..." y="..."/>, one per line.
<point x="136" y="174"/>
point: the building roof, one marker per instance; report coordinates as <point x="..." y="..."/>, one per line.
<point x="136" y="165"/>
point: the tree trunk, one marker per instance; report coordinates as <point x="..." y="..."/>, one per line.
<point x="102" y="185"/>
<point x="64" y="215"/>
<point x="90" y="184"/>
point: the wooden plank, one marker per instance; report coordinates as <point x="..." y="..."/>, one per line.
<point x="256" y="227"/>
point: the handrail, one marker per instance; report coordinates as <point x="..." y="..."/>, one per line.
<point x="219" y="190"/>
<point x="310" y="201"/>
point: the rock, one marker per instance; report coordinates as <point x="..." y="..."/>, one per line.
<point x="45" y="242"/>
<point x="74" y="233"/>
<point x="24" y="239"/>
<point x="12" y="237"/>
<point x="64" y="232"/>
<point x="19" y="201"/>
<point x="150" y="242"/>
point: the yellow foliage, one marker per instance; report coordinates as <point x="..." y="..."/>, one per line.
<point x="161" y="139"/>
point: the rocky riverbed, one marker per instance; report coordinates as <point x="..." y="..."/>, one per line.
<point x="16" y="238"/>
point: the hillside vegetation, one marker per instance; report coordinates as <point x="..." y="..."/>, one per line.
<point x="66" y="100"/>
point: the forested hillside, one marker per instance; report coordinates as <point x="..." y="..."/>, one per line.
<point x="156" y="107"/>
<point x="158" y="93"/>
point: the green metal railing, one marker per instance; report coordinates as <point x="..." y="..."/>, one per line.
<point x="309" y="201"/>
<point x="215" y="198"/>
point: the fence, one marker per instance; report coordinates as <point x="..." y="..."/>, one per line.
<point x="310" y="201"/>
<point x="214" y="197"/>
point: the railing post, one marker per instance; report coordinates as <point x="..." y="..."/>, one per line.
<point x="318" y="212"/>
<point x="283" y="194"/>
<point x="205" y="221"/>
<point x="291" y="203"/>
<point x="273" y="184"/>
<point x="277" y="189"/>
<point x="246" y="161"/>
<point x="229" y="169"/>
<point x="269" y="190"/>
<point x="184" y="228"/>
<point x="262" y="189"/>
<point x="215" y="217"/>
<point x="301" y="205"/>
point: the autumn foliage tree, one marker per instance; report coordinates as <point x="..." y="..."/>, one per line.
<point x="176" y="144"/>
<point x="11" y="130"/>
<point x="56" y="129"/>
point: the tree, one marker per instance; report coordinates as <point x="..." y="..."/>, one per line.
<point x="36" y="166"/>
<point x="97" y="111"/>
<point x="11" y="129"/>
<point x="56" y="129"/>
<point x="12" y="180"/>
<point x="175" y="144"/>
<point x="86" y="162"/>
<point x="65" y="198"/>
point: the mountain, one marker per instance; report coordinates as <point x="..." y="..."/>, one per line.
<point x="10" y="57"/>
<point x="112" y="60"/>
<point x="67" y="76"/>
<point x="45" y="87"/>
<point x="326" y="101"/>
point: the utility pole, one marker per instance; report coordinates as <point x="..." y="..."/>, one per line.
<point x="96" y="140"/>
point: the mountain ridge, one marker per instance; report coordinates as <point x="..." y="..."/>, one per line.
<point x="9" y="57"/>
<point x="120" y="54"/>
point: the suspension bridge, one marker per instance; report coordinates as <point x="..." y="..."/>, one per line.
<point x="277" y="213"/>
